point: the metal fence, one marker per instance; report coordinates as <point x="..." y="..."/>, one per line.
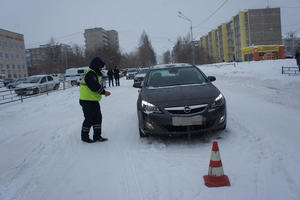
<point x="9" y="95"/>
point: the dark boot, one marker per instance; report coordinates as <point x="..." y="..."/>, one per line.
<point x="88" y="140"/>
<point x="85" y="135"/>
<point x="100" y="139"/>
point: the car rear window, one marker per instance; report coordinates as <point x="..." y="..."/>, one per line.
<point x="175" y="76"/>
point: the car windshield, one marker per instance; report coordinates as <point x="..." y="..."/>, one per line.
<point x="131" y="70"/>
<point x="175" y="76"/>
<point x="143" y="71"/>
<point x="21" y="80"/>
<point x="32" y="80"/>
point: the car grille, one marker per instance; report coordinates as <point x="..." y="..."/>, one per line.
<point x="187" y="109"/>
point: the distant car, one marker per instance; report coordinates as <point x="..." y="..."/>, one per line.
<point x="7" y="81"/>
<point x="139" y="77"/>
<point x="179" y="99"/>
<point x="131" y="73"/>
<point x="16" y="83"/>
<point x="2" y="84"/>
<point x="75" y="75"/>
<point x="37" y="84"/>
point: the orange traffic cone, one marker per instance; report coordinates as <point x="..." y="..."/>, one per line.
<point x="216" y="177"/>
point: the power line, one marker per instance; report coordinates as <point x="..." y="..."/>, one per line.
<point x="211" y="15"/>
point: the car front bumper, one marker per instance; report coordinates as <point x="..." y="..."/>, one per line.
<point x="163" y="124"/>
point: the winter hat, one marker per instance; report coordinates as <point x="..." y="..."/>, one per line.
<point x="97" y="62"/>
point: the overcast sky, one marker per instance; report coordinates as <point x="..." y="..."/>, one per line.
<point x="65" y="20"/>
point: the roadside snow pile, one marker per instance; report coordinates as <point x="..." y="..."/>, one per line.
<point x="265" y="70"/>
<point x="262" y="78"/>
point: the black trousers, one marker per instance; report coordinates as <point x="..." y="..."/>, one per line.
<point x="110" y="79"/>
<point x="92" y="118"/>
<point x="117" y="80"/>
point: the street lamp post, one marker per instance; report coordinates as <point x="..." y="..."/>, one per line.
<point x="181" y="15"/>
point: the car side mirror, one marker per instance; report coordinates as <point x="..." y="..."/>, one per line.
<point x="211" y="78"/>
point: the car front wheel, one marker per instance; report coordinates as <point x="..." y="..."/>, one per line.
<point x="142" y="135"/>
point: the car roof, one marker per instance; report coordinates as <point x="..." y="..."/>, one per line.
<point x="39" y="75"/>
<point x="173" y="65"/>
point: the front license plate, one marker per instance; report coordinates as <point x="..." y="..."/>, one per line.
<point x="188" y="121"/>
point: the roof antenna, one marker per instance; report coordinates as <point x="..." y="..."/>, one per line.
<point x="268" y="3"/>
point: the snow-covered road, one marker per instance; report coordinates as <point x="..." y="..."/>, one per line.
<point x="42" y="156"/>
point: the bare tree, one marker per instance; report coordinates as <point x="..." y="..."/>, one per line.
<point x="167" y="57"/>
<point x="109" y="54"/>
<point x="146" y="53"/>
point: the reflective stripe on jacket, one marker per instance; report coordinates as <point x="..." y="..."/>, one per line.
<point x="86" y="93"/>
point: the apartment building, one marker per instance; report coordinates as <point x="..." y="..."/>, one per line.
<point x="12" y="55"/>
<point x="96" y="38"/>
<point x="36" y="56"/>
<point x="254" y="34"/>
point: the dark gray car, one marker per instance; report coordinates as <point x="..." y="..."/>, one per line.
<point x="179" y="99"/>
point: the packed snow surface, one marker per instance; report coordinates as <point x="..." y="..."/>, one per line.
<point x="42" y="156"/>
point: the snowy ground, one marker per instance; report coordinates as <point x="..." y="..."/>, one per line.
<point x="42" y="156"/>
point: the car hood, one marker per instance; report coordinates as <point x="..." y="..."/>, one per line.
<point x="26" y="85"/>
<point x="180" y="95"/>
<point x="140" y="75"/>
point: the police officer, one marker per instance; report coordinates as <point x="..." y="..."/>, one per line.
<point x="91" y="91"/>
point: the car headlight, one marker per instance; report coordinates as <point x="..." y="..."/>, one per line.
<point x="149" y="108"/>
<point x="218" y="101"/>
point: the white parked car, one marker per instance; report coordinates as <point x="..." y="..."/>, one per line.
<point x="2" y="84"/>
<point x="37" y="84"/>
<point x="75" y="75"/>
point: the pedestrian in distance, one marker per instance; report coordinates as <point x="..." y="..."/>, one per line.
<point x="91" y="91"/>
<point x="117" y="76"/>
<point x="297" y="57"/>
<point x="110" y="75"/>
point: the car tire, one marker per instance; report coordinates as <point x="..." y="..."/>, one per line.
<point x="56" y="87"/>
<point x="142" y="135"/>
<point x="73" y="83"/>
<point x="222" y="127"/>
<point x="36" y="91"/>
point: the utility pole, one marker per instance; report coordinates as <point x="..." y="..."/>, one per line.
<point x="181" y="15"/>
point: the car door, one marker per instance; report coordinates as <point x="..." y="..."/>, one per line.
<point x="43" y="84"/>
<point x="50" y="84"/>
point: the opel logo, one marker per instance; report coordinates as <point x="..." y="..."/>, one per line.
<point x="187" y="109"/>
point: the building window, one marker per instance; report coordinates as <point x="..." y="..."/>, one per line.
<point x="7" y="66"/>
<point x="1" y="55"/>
<point x="23" y="66"/>
<point x="19" y="67"/>
<point x="15" y="76"/>
<point x="6" y="55"/>
<point x="9" y="75"/>
<point x="13" y="66"/>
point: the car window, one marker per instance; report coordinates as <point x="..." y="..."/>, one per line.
<point x="175" y="76"/>
<point x="43" y="80"/>
<point x="33" y="80"/>
<point x="50" y="78"/>
<point x="143" y="71"/>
